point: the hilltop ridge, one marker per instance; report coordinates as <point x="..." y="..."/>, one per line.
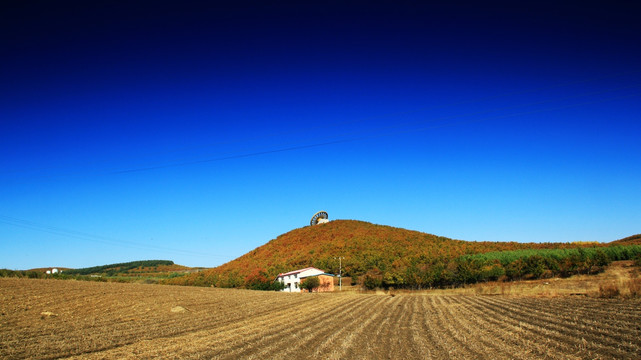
<point x="630" y="240"/>
<point x="366" y="248"/>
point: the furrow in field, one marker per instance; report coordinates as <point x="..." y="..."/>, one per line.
<point x="386" y="335"/>
<point x="339" y="339"/>
<point x="357" y="343"/>
<point x="551" y="339"/>
<point x="401" y="332"/>
<point x="121" y="321"/>
<point x="180" y="324"/>
<point x="371" y="341"/>
<point x="612" y="313"/>
<point x="615" y="322"/>
<point x="473" y="332"/>
<point x="429" y="333"/>
<point x="576" y="344"/>
<point x="216" y="337"/>
<point x="453" y="339"/>
<point x="478" y="328"/>
<point x="422" y="348"/>
<point x="594" y="337"/>
<point x="605" y="312"/>
<point x="315" y="323"/>
<point x="603" y="306"/>
<point x="524" y="343"/>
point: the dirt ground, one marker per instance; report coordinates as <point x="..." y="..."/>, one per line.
<point x="47" y="319"/>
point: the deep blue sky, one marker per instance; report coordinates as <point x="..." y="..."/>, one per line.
<point x="197" y="131"/>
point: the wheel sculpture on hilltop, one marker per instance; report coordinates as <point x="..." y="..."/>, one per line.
<point x="320" y="217"/>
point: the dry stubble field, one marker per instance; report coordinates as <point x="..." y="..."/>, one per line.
<point x="44" y="319"/>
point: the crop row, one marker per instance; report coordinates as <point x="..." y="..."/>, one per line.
<point x="113" y="321"/>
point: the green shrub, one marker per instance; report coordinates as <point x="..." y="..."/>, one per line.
<point x="310" y="283"/>
<point x="372" y="282"/>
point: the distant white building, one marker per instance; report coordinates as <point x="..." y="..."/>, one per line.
<point x="292" y="279"/>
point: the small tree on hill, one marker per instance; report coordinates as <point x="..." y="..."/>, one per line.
<point x="310" y="283"/>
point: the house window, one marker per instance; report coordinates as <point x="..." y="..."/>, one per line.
<point x="295" y="275"/>
<point x="296" y="285"/>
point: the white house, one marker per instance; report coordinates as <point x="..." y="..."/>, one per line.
<point x="292" y="279"/>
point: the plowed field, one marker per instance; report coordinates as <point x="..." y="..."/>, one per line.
<point x="45" y="319"/>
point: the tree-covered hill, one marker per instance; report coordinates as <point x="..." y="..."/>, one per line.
<point x="392" y="256"/>
<point x="118" y="268"/>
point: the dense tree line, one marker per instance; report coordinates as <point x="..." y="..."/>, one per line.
<point x="422" y="272"/>
<point x="113" y="269"/>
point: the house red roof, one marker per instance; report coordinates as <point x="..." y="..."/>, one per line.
<point x="298" y="271"/>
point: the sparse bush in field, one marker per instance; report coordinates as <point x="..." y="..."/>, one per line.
<point x="393" y="278"/>
<point x="259" y="280"/>
<point x="372" y="282"/>
<point x="468" y="271"/>
<point x="232" y="280"/>
<point x="547" y="274"/>
<point x="310" y="283"/>
<point x="601" y="258"/>
<point x="373" y="279"/>
<point x="535" y="266"/>
<point x="277" y="286"/>
<point x="634" y="286"/>
<point x="492" y="272"/>
<point x="515" y="270"/>
<point x="637" y="260"/>
<point x="61" y="276"/>
<point x="609" y="291"/>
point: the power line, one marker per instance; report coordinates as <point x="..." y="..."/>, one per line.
<point x="383" y="131"/>
<point x="383" y="116"/>
<point x="398" y="129"/>
<point x="27" y="224"/>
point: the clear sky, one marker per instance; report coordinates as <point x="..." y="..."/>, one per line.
<point x="198" y="131"/>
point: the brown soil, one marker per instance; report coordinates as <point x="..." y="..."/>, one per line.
<point x="114" y="321"/>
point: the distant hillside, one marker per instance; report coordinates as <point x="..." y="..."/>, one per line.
<point x="119" y="268"/>
<point x="630" y="240"/>
<point x="148" y="271"/>
<point x="380" y="251"/>
<point x="45" y="269"/>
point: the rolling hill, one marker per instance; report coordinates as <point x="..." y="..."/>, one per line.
<point x="142" y="270"/>
<point x="630" y="240"/>
<point x="391" y="255"/>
